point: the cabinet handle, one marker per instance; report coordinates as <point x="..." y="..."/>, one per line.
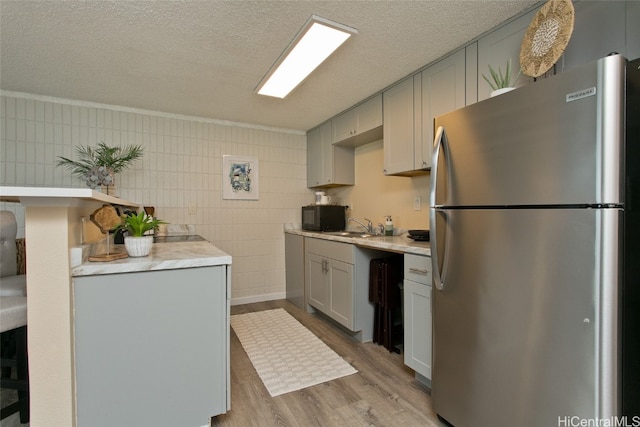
<point x="418" y="270"/>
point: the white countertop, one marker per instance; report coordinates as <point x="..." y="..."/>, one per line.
<point x="163" y="256"/>
<point x="400" y="244"/>
<point x="49" y="196"/>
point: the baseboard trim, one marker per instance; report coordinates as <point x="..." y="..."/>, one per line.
<point x="258" y="298"/>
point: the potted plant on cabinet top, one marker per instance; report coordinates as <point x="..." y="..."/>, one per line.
<point x="136" y="242"/>
<point x="500" y="83"/>
<point x="96" y="166"/>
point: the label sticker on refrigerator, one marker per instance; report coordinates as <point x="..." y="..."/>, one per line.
<point x="584" y="93"/>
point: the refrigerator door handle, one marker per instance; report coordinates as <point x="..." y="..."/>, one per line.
<point x="438" y="277"/>
<point x="439" y="144"/>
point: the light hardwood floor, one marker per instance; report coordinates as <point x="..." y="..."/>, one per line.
<point x="382" y="393"/>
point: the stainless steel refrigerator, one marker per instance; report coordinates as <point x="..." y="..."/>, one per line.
<point x="535" y="249"/>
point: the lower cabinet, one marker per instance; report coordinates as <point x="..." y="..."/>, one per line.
<point x="331" y="288"/>
<point x="294" y="268"/>
<point x="152" y="347"/>
<point x="337" y="283"/>
<point x="417" y="316"/>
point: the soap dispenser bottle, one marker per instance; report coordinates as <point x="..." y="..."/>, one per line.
<point x="388" y="226"/>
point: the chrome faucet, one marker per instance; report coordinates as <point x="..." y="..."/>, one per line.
<point x="368" y="227"/>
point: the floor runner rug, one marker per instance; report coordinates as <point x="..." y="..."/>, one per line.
<point x="286" y="355"/>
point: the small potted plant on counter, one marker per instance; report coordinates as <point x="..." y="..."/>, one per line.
<point x="136" y="242"/>
<point x="97" y="166"/>
<point x="501" y="83"/>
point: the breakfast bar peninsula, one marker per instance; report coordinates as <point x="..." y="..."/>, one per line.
<point x="119" y="343"/>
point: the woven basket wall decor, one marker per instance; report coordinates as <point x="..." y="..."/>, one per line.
<point x="547" y="37"/>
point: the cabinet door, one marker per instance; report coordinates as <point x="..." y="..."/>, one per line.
<point x="633" y="30"/>
<point x="326" y="171"/>
<point x="417" y="327"/>
<point x="314" y="158"/>
<point x="443" y="90"/>
<point x="497" y="47"/>
<point x="398" y="128"/>
<point x="130" y="327"/>
<point x="358" y="120"/>
<point x="344" y="126"/>
<point x="322" y="157"/>
<point x="370" y="114"/>
<point x="341" y="292"/>
<point x="471" y="74"/>
<point x="597" y="31"/>
<point x="317" y="281"/>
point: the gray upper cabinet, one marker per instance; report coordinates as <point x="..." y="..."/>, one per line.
<point x="400" y="118"/>
<point x="403" y="115"/>
<point x="471" y="78"/>
<point x="633" y="29"/>
<point x="411" y="106"/>
<point x="313" y="152"/>
<point x="598" y="30"/>
<point x="327" y="164"/>
<point x="443" y="90"/>
<point x="360" y="125"/>
<point x="497" y="47"/>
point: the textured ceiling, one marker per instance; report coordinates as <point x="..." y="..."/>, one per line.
<point x="205" y="58"/>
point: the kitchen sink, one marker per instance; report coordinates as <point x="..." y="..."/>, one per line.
<point x="361" y="234"/>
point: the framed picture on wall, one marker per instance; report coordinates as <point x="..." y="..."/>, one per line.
<point x="240" y="178"/>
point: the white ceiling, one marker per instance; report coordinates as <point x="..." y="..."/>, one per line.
<point x="205" y="58"/>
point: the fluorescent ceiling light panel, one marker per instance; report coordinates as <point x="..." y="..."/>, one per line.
<point x="318" y="39"/>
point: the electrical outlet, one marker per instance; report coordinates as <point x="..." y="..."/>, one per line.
<point x="417" y="204"/>
<point x="193" y="209"/>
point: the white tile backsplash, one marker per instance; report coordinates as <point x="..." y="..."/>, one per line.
<point x="181" y="167"/>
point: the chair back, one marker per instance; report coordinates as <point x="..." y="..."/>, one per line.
<point x="8" y="233"/>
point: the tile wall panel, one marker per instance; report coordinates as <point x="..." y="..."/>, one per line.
<point x="181" y="167"/>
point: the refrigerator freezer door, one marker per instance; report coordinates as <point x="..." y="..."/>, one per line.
<point x="631" y="301"/>
<point x="524" y="325"/>
<point x="554" y="142"/>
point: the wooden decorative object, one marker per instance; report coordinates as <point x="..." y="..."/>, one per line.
<point x="108" y="257"/>
<point x="106" y="218"/>
<point x="547" y="37"/>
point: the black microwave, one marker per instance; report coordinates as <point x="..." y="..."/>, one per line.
<point x="323" y="217"/>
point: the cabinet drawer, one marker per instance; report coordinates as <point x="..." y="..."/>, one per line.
<point x="329" y="249"/>
<point x="417" y="268"/>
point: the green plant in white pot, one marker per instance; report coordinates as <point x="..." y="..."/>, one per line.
<point x="96" y="166"/>
<point x="501" y="83"/>
<point x="136" y="242"/>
